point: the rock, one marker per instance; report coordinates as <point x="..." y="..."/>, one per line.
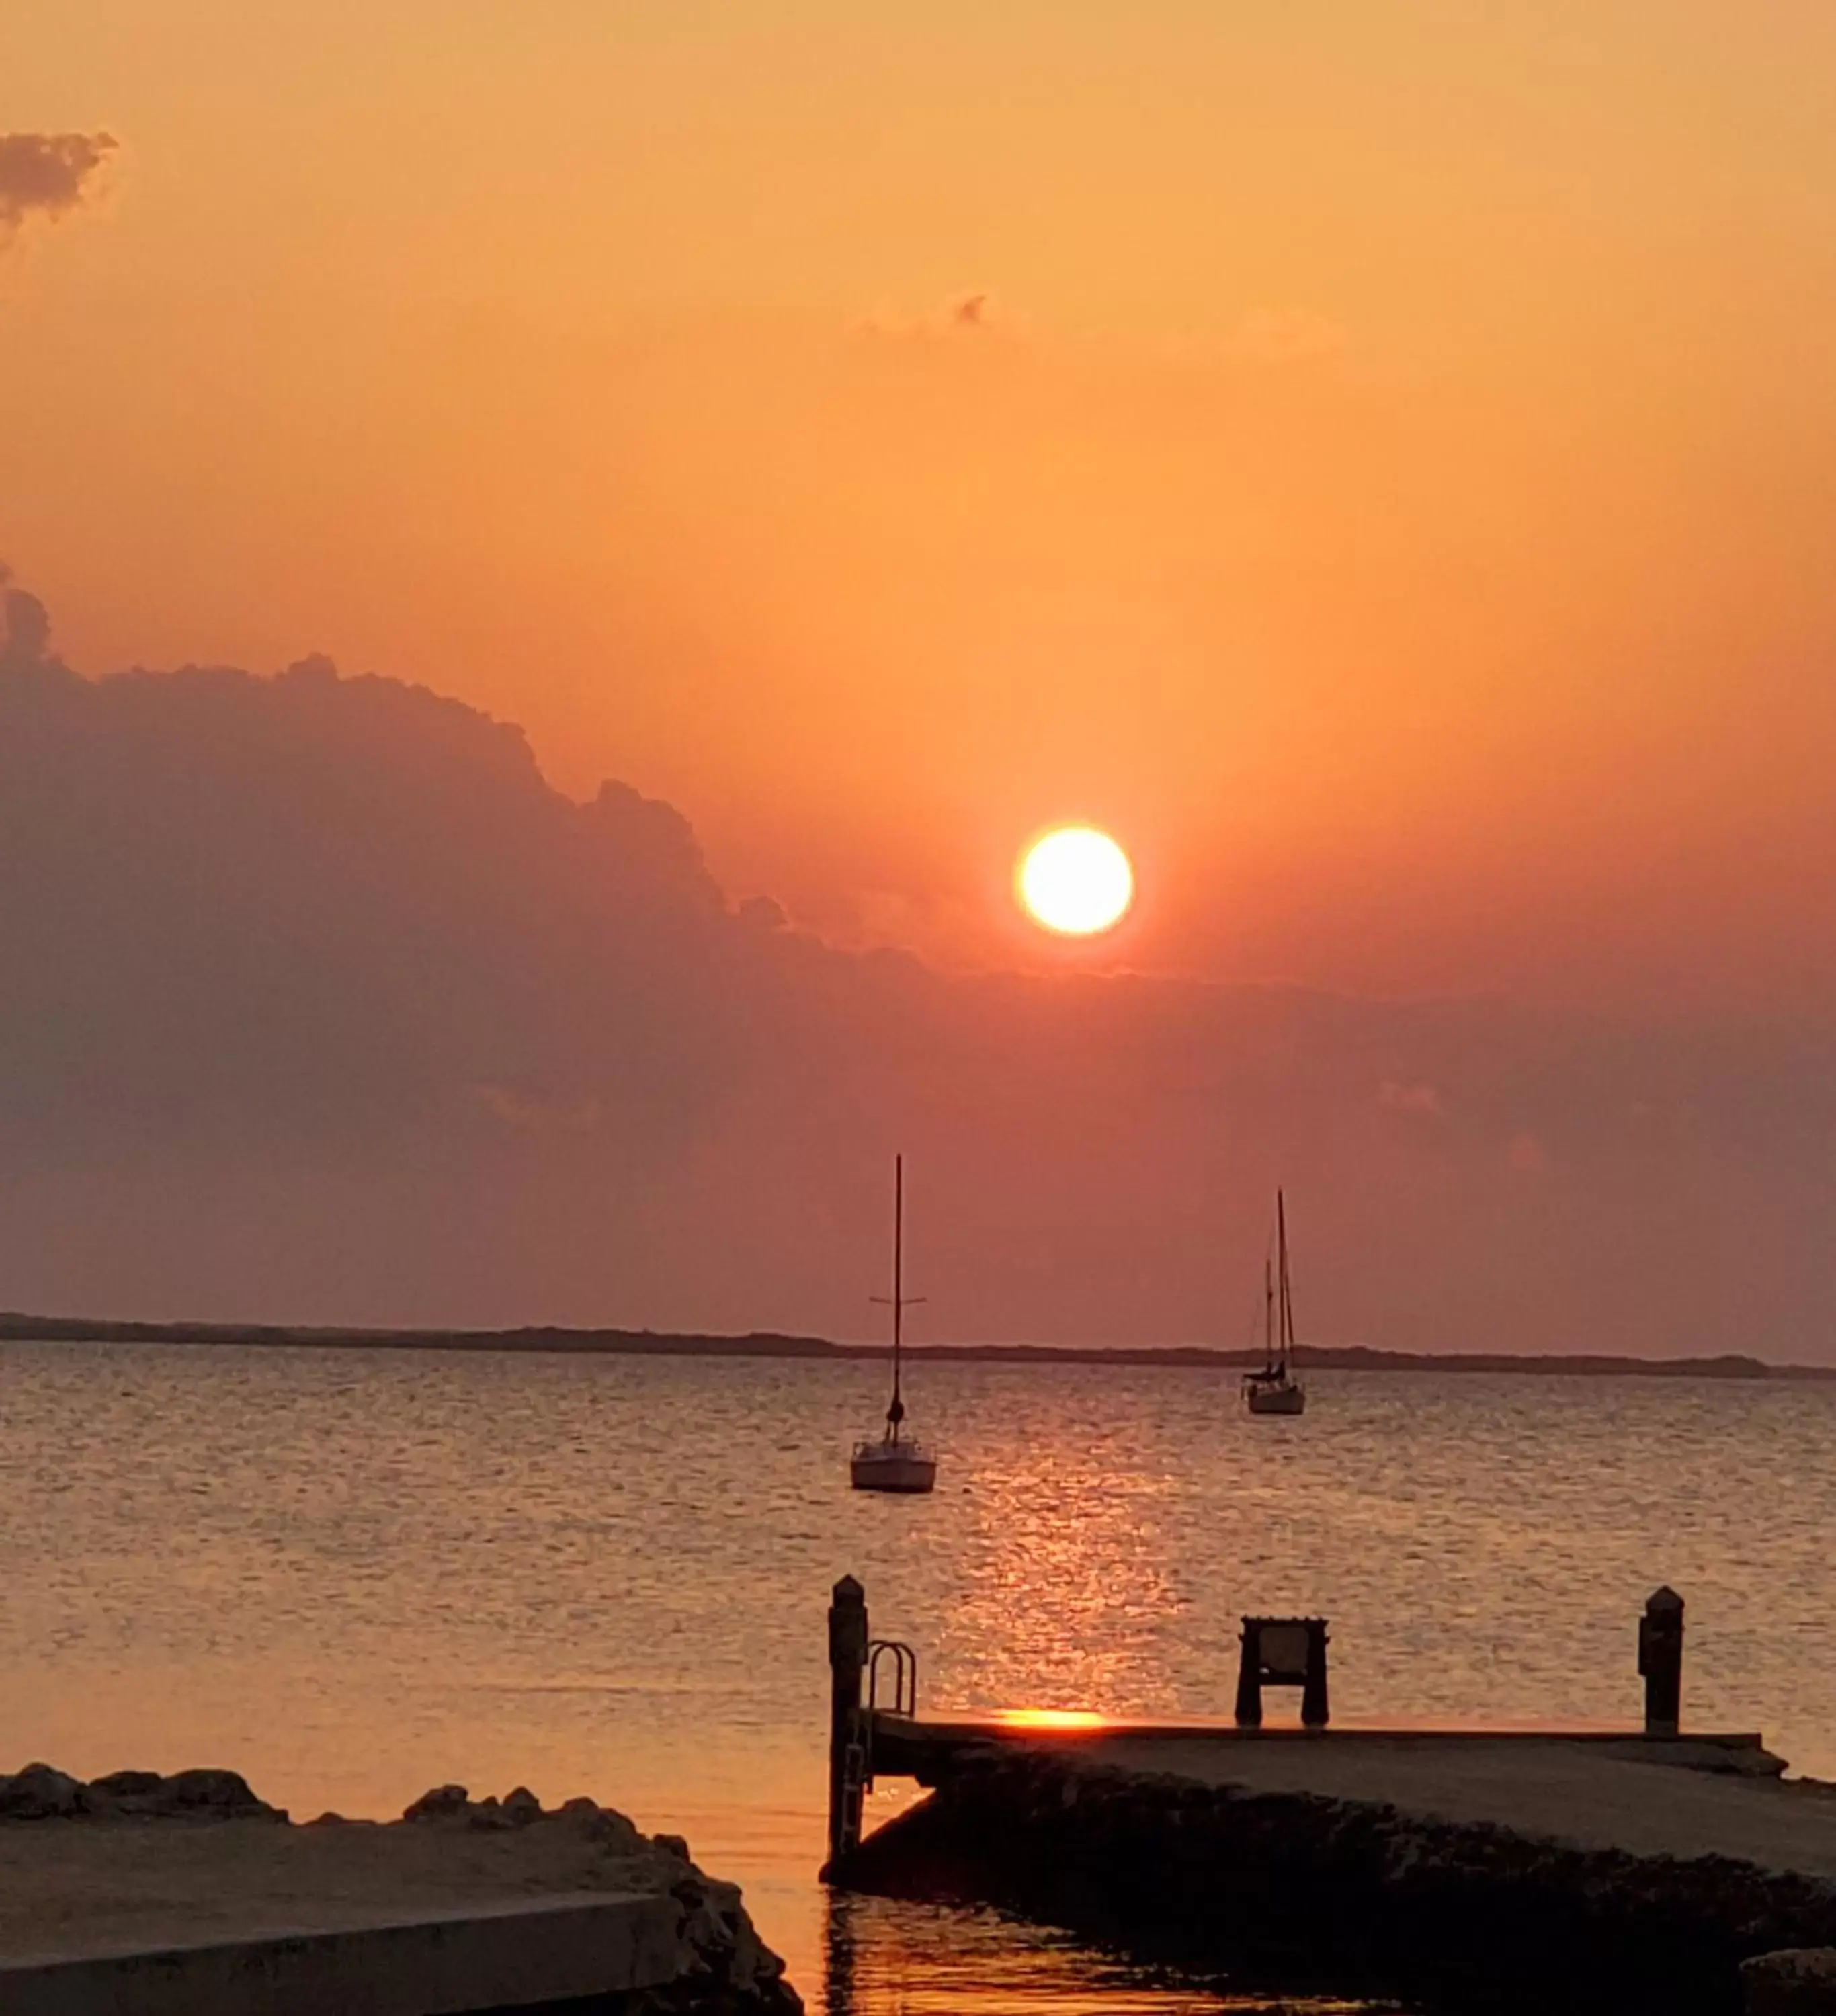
<point x="726" y="1969"/>
<point x="602" y="1823"/>
<point x="118" y="1786"/>
<point x="1799" y="1981"/>
<point x="618" y="1833"/>
<point x="40" y="1792"/>
<point x="729" y="1953"/>
<point x="443" y="1802"/>
<point x="212" y="1795"/>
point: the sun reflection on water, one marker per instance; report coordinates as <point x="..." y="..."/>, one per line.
<point x="1069" y="1598"/>
<point x="887" y="1957"/>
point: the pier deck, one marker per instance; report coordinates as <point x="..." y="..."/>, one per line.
<point x="1598" y="1789"/>
<point x="1677" y="1801"/>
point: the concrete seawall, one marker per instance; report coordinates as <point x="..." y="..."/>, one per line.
<point x="138" y="1895"/>
<point x="435" y="1963"/>
<point x="1517" y="1875"/>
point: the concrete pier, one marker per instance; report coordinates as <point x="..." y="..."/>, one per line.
<point x="1630" y="1869"/>
<point x="1539" y="1874"/>
<point x="140" y="1896"/>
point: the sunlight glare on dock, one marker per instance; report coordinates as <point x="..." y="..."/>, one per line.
<point x="1064" y="1718"/>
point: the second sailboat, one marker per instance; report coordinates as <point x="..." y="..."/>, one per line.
<point x="1273" y="1388"/>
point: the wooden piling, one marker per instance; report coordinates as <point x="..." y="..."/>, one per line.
<point x="1315" y="1710"/>
<point x="847" y="1757"/>
<point x="1660" y="1659"/>
<point x="1249" y="1675"/>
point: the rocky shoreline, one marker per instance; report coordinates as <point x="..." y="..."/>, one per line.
<point x="1350" y="1897"/>
<point x="140" y="1860"/>
<point x="42" y="1792"/>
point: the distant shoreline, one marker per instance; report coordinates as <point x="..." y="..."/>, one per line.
<point x="16" y="1328"/>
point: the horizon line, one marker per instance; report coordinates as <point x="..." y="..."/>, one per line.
<point x="18" y="1327"/>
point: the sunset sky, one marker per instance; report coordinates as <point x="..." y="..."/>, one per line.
<point x="1377" y="458"/>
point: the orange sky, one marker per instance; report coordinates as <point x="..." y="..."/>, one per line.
<point x="1377" y="458"/>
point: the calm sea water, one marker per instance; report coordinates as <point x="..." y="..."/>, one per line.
<point x="352" y="1576"/>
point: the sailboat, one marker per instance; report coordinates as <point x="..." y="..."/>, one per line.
<point x="1272" y="1388"/>
<point x="895" y="1462"/>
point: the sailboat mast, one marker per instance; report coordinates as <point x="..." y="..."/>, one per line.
<point x="898" y="1276"/>
<point x="1287" y="1305"/>
<point x="1268" y="1314"/>
<point x="898" y="1298"/>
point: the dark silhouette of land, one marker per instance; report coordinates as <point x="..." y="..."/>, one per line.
<point x="17" y="1328"/>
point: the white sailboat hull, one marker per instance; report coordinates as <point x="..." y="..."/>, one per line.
<point x="1289" y="1397"/>
<point x="900" y="1466"/>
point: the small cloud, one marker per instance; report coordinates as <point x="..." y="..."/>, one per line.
<point x="1282" y="335"/>
<point x="1395" y="1097"/>
<point x="535" y="1116"/>
<point x="977" y="313"/>
<point x="1528" y="1156"/>
<point x="46" y="175"/>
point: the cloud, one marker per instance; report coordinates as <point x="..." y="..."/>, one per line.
<point x="319" y="1002"/>
<point x="46" y="175"/>
<point x="976" y="313"/>
<point x="531" y="1114"/>
<point x="1421" y="1099"/>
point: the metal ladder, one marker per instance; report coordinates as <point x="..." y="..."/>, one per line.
<point x="904" y="1700"/>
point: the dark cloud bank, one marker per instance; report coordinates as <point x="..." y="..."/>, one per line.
<point x="317" y="1003"/>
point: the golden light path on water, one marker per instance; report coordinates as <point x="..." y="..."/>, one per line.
<point x="354" y="1575"/>
<point x="911" y="1960"/>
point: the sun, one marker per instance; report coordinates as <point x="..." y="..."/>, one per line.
<point x="1075" y="881"/>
